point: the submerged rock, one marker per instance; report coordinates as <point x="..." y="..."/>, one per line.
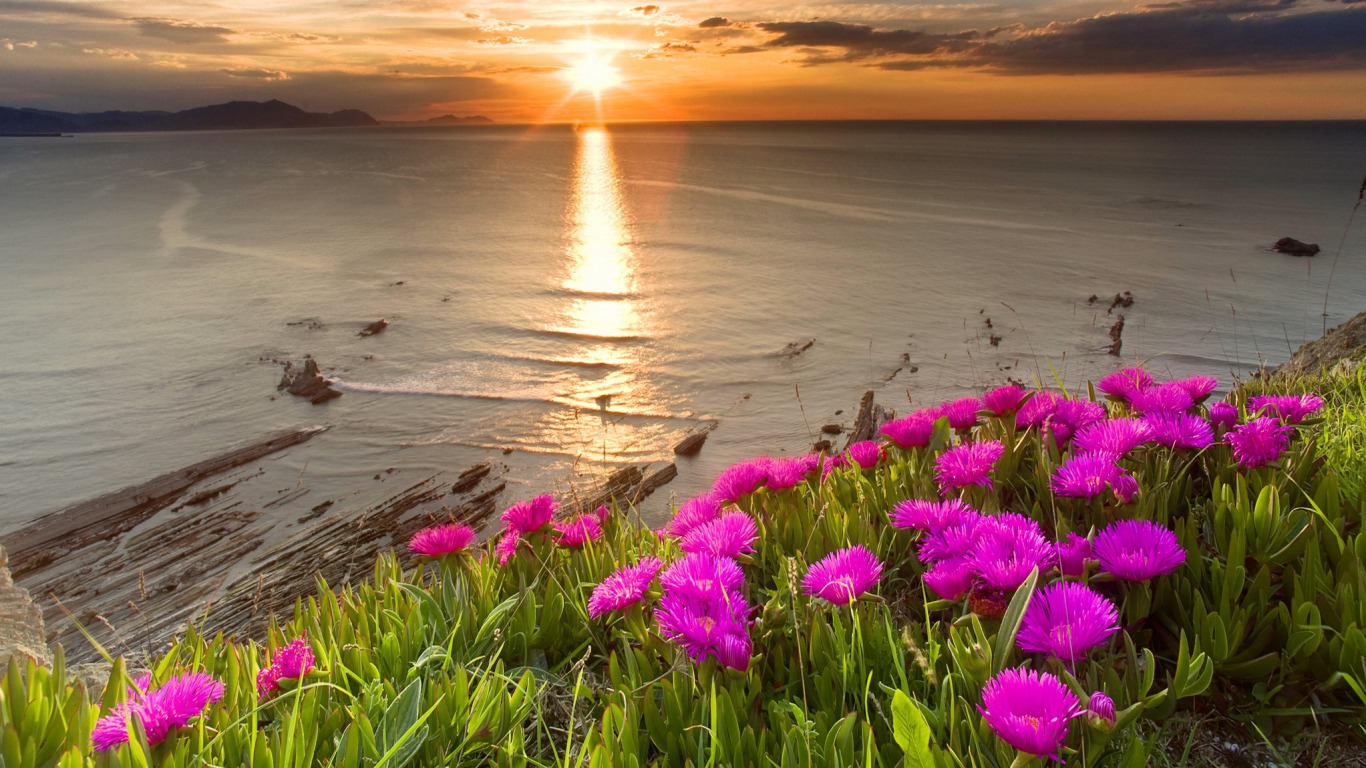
<point x="690" y="445"/>
<point x="374" y="328"/>
<point x="308" y="382"/>
<point x="1294" y="247"/>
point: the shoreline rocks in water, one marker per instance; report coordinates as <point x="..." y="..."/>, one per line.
<point x="1293" y="247"/>
<point x="374" y="328"/>
<point x="308" y="382"/>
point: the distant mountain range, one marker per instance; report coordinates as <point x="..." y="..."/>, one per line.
<point x="233" y="115"/>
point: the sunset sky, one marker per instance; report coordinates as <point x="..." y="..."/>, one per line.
<point x="697" y="59"/>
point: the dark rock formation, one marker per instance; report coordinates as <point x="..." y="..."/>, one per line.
<point x="796" y="348"/>
<point x="831" y="429"/>
<point x="869" y="420"/>
<point x="1347" y="342"/>
<point x="1116" y="331"/>
<point x="690" y="445"/>
<point x="308" y="382"/>
<point x="374" y="328"/>
<point x="1294" y="247"/>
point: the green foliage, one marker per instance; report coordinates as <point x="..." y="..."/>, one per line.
<point x="463" y="662"/>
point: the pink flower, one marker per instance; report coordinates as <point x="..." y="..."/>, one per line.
<point x="1123" y="385"/>
<point x="577" y="531"/>
<point x="1004" y="401"/>
<point x="731" y="535"/>
<point x="921" y="515"/>
<point x="530" y="516"/>
<point x="1073" y="554"/>
<point x="692" y="513"/>
<point x="841" y="576"/>
<point x="740" y="480"/>
<point x="969" y="464"/>
<point x="159" y="710"/>
<point x="441" y="540"/>
<point x="627" y="585"/>
<point x="866" y="454"/>
<point x="507" y="546"/>
<point x="911" y="431"/>
<point x="1259" y="441"/>
<point x="962" y="412"/>
<point x="291" y="662"/>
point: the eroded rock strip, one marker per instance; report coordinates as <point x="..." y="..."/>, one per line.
<point x="103" y="519"/>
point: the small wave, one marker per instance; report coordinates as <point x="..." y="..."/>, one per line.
<point x="601" y="295"/>
<point x="565" y="361"/>
<point x="585" y="336"/>
<point x="413" y="391"/>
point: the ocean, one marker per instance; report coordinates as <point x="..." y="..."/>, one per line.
<point x="569" y="300"/>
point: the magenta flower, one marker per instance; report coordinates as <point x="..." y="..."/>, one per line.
<point x="1003" y="401"/>
<point x="787" y="473"/>
<point x="507" y="545"/>
<point x="692" y="513"/>
<point x="729" y="535"/>
<point x="968" y="464"/>
<point x="950" y="579"/>
<point x="703" y="576"/>
<point x="530" y="516"/>
<point x="1164" y="398"/>
<point x="1259" y="441"/>
<point x="1138" y="550"/>
<point x="1116" y="437"/>
<point x="1125" y="488"/>
<point x="1029" y="710"/>
<point x="1077" y="413"/>
<point x="1123" y="385"/>
<point x="1290" y="409"/>
<point x="1003" y="557"/>
<point x="1223" y="415"/>
<point x="911" y="431"/>
<point x="1180" y="430"/>
<point x="441" y="540"/>
<point x="1101" y="707"/>
<point x="921" y="515"/>
<point x="1066" y="620"/>
<point x="577" y="531"/>
<point x="1198" y="387"/>
<point x="866" y="453"/>
<point x="626" y="585"/>
<point x="290" y="663"/>
<point x="1013" y="524"/>
<point x="740" y="480"/>
<point x="702" y="626"/>
<point x="841" y="576"/>
<point x="734" y="651"/>
<point x="952" y="542"/>
<point x="962" y="413"/>
<point x="1037" y="410"/>
<point x="1085" y="476"/>
<point x="1072" y="555"/>
<point x="159" y="710"/>
<point x="604" y="513"/>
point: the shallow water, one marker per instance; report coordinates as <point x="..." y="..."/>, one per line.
<point x="586" y="297"/>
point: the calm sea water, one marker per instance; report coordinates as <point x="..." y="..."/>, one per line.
<point x="587" y="297"/>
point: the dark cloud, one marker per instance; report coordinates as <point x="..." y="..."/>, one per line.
<point x="668" y="50"/>
<point x="743" y="49"/>
<point x="269" y="75"/>
<point x="184" y="32"/>
<point x="48" y="7"/>
<point x="1187" y="39"/>
<point x="1204" y="36"/>
<point x="646" y="10"/>
<point x="859" y="41"/>
<point x="713" y="22"/>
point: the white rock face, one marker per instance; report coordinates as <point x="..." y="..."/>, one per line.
<point x="21" y="623"/>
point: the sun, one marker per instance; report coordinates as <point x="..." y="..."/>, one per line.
<point x="593" y="73"/>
